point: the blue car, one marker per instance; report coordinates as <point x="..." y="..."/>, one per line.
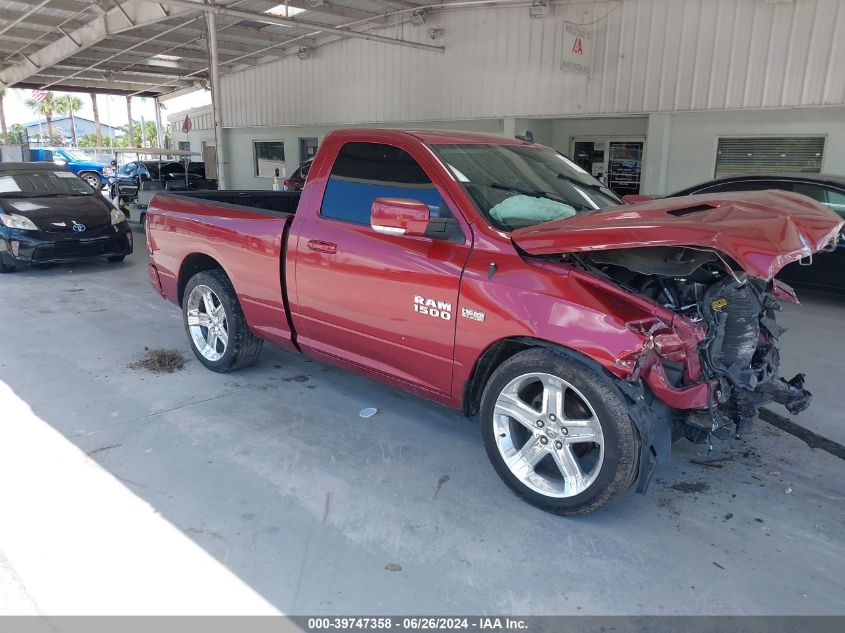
<point x="95" y="174"/>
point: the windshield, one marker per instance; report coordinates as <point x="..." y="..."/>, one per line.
<point x="515" y="186"/>
<point x="42" y="183"/>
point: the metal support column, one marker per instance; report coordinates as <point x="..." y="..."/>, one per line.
<point x="158" y="122"/>
<point x="130" y="123"/>
<point x="214" y="71"/>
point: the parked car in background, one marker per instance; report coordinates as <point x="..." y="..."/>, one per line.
<point x="825" y="270"/>
<point x="297" y="179"/>
<point x="95" y="174"/>
<point x="489" y="274"/>
<point x="137" y="181"/>
<point x="49" y="214"/>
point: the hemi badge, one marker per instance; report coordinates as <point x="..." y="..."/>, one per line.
<point x="475" y="315"/>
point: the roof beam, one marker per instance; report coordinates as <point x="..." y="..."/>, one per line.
<point x="106" y="88"/>
<point x="140" y="12"/>
<point x="89" y="78"/>
<point x="114" y="72"/>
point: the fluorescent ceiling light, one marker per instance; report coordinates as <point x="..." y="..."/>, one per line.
<point x="285" y="11"/>
<point x="167" y="58"/>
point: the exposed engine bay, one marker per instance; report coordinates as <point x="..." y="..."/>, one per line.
<point x="738" y="352"/>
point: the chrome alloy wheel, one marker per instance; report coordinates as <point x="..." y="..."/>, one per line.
<point x="207" y="323"/>
<point x="548" y="435"/>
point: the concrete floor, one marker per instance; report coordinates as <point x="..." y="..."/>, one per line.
<point x="127" y="492"/>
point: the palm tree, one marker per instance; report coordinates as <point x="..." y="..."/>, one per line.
<point x="46" y="108"/>
<point x="68" y="105"/>
<point x="97" y="128"/>
<point x="17" y="134"/>
<point x="4" y="135"/>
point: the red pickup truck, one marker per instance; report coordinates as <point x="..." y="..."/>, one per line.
<point x="496" y="276"/>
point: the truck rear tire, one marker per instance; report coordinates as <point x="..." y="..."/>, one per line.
<point x="557" y="433"/>
<point x="215" y="323"/>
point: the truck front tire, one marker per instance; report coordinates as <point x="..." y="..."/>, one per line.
<point x="215" y="324"/>
<point x="557" y="433"/>
<point x="92" y="178"/>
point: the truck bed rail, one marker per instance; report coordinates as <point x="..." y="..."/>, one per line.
<point x="277" y="201"/>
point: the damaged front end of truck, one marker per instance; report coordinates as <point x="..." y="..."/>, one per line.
<point x="702" y="272"/>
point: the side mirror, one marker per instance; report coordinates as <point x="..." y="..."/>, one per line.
<point x="60" y="161"/>
<point x="399" y="216"/>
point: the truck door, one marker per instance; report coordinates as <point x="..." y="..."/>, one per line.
<point x="385" y="302"/>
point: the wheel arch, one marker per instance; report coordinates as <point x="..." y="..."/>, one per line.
<point x="500" y="351"/>
<point x="191" y="265"/>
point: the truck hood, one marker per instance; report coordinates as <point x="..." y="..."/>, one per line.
<point x="761" y="231"/>
<point x="85" y="164"/>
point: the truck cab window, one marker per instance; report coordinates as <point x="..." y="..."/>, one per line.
<point x="363" y="172"/>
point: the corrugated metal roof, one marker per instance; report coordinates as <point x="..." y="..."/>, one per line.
<point x="148" y="47"/>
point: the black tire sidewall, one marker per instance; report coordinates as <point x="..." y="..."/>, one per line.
<point x="222" y="287"/>
<point x="621" y="443"/>
<point x="90" y="174"/>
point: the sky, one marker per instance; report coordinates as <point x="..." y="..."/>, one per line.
<point x="112" y="108"/>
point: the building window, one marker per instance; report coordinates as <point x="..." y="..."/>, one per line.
<point x="185" y="145"/>
<point x="769" y="155"/>
<point x="269" y="156"/>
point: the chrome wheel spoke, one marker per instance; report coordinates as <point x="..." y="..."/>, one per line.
<point x="587" y="430"/>
<point x="523" y="461"/>
<point x="200" y="319"/>
<point x="510" y="404"/>
<point x="223" y="337"/>
<point x="568" y="466"/>
<point x="553" y="391"/>
<point x="208" y="302"/>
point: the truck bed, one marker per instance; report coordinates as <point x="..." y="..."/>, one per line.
<point x="244" y="231"/>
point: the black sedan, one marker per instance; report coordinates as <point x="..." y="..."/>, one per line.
<point x="48" y="214"/>
<point x="827" y="270"/>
